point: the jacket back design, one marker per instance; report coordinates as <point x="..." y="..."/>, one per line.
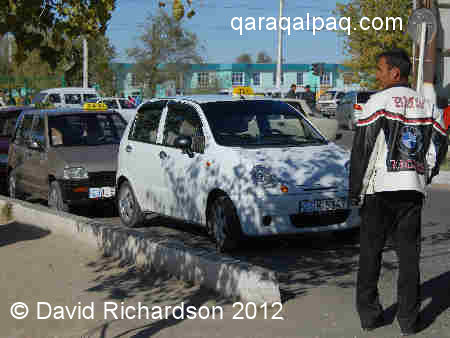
<point x="402" y="140"/>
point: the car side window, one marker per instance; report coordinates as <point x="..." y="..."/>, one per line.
<point x="38" y="132"/>
<point x="183" y="120"/>
<point x="24" y="131"/>
<point x="146" y="123"/>
<point x="54" y="98"/>
<point x="112" y="104"/>
<point x="72" y="98"/>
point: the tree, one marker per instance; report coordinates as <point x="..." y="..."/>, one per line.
<point x="48" y="25"/>
<point x="363" y="45"/>
<point x="263" y="57"/>
<point x="165" y="43"/>
<point x="244" y="58"/>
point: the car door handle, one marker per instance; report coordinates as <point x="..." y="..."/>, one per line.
<point x="162" y="155"/>
<point x="128" y="148"/>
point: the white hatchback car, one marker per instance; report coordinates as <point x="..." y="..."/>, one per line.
<point x="239" y="167"/>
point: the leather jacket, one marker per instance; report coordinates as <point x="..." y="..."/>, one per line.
<point x="399" y="144"/>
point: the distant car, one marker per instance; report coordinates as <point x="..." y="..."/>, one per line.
<point x="329" y="101"/>
<point x="241" y="168"/>
<point x="65" y="156"/>
<point x="120" y="104"/>
<point x="69" y="97"/>
<point x="350" y="107"/>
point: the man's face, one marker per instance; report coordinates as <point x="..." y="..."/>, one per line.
<point x="385" y="75"/>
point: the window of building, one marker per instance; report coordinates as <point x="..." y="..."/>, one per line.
<point x="203" y="80"/>
<point x="237" y="79"/>
<point x="275" y="78"/>
<point x="257" y="79"/>
<point x="300" y="78"/>
<point x="325" y="79"/>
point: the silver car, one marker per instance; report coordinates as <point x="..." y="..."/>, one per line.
<point x="350" y="107"/>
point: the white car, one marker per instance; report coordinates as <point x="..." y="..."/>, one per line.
<point x="68" y="97"/>
<point x="350" y="108"/>
<point x="239" y="167"/>
<point x="120" y="104"/>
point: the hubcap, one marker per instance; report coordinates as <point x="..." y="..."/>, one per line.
<point x="126" y="205"/>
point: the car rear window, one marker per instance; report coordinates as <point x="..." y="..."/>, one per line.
<point x="364" y="97"/>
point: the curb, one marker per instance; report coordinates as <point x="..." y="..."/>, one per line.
<point x="227" y="276"/>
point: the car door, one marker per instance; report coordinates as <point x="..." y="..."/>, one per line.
<point x="141" y="156"/>
<point x="37" y="167"/>
<point x="183" y="178"/>
<point x="21" y="153"/>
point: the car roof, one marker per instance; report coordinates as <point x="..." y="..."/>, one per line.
<point x="71" y="111"/>
<point x="214" y="98"/>
<point x="66" y="89"/>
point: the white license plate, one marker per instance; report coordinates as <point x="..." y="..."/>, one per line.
<point x="314" y="206"/>
<point x="104" y="192"/>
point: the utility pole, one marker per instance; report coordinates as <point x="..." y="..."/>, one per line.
<point x="280" y="47"/>
<point x="85" y="63"/>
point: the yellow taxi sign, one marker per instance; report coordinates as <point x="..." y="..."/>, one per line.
<point x="242" y="90"/>
<point x="95" y="106"/>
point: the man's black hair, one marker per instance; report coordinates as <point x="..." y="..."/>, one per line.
<point x="293" y="85"/>
<point x="397" y="58"/>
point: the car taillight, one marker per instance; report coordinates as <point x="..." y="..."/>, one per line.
<point x="357" y="107"/>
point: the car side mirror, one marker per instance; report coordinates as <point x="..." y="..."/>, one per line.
<point x="184" y="143"/>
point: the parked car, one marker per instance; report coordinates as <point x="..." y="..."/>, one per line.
<point x="328" y="102"/>
<point x="65" y="156"/>
<point x="8" y="119"/>
<point x="350" y="107"/>
<point x="69" y="97"/>
<point x="122" y="105"/>
<point x="328" y="127"/>
<point x="238" y="167"/>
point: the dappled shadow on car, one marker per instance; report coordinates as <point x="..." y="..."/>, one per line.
<point x="14" y="232"/>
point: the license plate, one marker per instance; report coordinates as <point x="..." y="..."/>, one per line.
<point x="104" y="192"/>
<point x="315" y="206"/>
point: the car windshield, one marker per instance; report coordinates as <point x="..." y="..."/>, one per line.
<point x="259" y="123"/>
<point x="125" y="104"/>
<point x="364" y="97"/>
<point x="86" y="129"/>
<point x="327" y="96"/>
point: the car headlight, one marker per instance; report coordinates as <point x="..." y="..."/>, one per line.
<point x="77" y="173"/>
<point x="263" y="175"/>
<point x="3" y="158"/>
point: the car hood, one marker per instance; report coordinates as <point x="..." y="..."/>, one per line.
<point x="92" y="158"/>
<point x="312" y="166"/>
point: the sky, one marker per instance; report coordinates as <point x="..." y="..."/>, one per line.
<point x="212" y="24"/>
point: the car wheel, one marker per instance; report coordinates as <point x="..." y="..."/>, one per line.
<point x="55" y="198"/>
<point x="12" y="185"/>
<point x="224" y="224"/>
<point x="129" y="210"/>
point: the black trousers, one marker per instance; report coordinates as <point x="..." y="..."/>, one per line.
<point x="396" y="214"/>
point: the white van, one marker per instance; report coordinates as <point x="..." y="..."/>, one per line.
<point x="66" y="97"/>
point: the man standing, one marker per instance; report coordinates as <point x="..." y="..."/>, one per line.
<point x="398" y="147"/>
<point x="309" y="97"/>
<point x="291" y="93"/>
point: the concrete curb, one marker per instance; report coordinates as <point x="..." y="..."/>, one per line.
<point x="229" y="277"/>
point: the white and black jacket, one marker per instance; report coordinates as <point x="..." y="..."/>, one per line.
<point x="399" y="143"/>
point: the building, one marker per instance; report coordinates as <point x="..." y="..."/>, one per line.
<point x="215" y="78"/>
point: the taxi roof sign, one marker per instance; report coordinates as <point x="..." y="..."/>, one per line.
<point x="95" y="106"/>
<point x="243" y="91"/>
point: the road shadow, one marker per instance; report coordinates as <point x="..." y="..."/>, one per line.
<point x="122" y="281"/>
<point x="16" y="232"/>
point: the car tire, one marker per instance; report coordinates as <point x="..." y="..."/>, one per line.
<point x="55" y="198"/>
<point x="129" y="210"/>
<point x="12" y="185"/>
<point x="224" y="223"/>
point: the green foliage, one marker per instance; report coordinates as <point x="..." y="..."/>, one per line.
<point x="263" y="57"/>
<point x="362" y="46"/>
<point x="167" y="48"/>
<point x="244" y="58"/>
<point x="32" y="22"/>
